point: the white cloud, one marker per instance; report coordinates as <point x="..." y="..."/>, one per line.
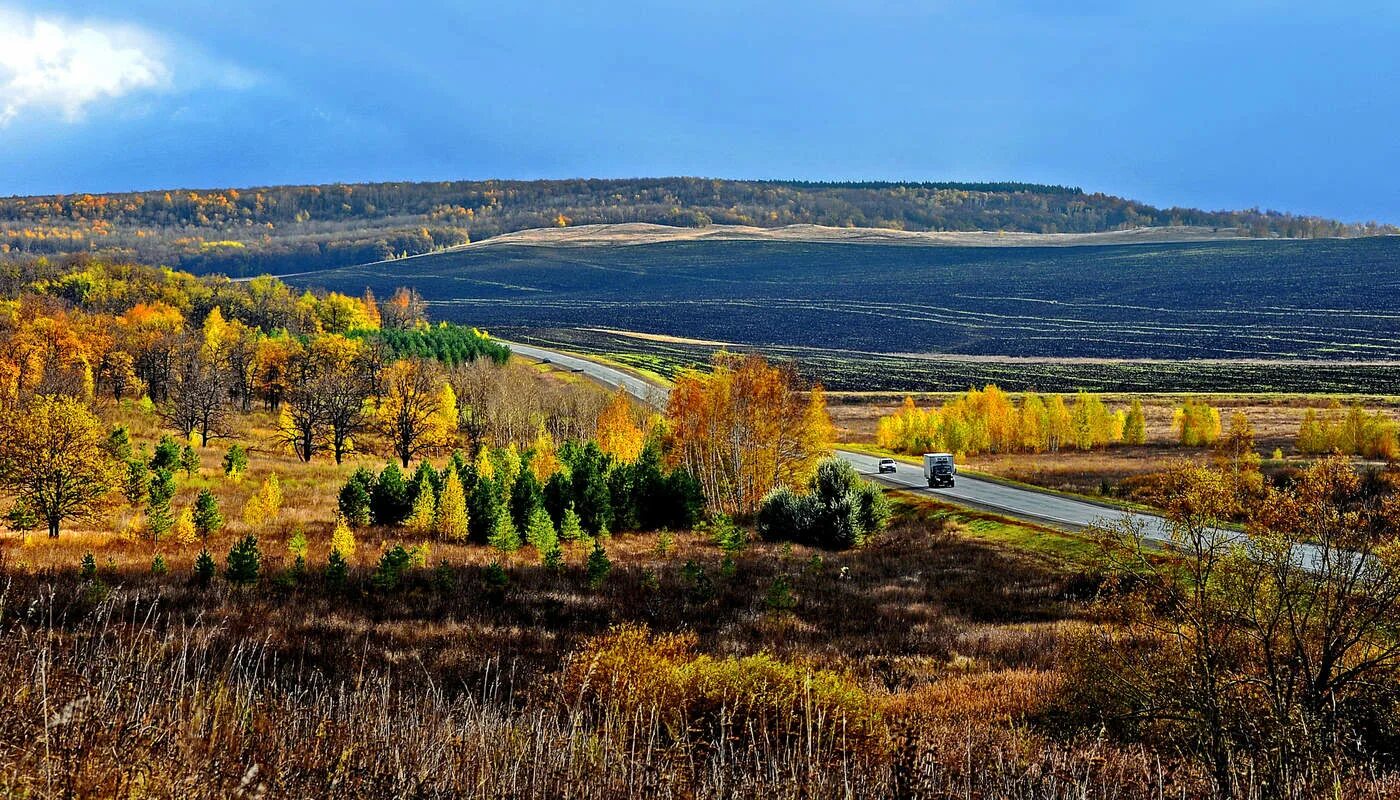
<point x="50" y="64"/>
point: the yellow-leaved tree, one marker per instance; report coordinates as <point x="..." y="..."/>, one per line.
<point x="746" y="428"/>
<point x="53" y="459"/>
<point x="618" y="433"/>
<point x="418" y="412"/>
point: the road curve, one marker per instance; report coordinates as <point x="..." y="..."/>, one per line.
<point x="1028" y="504"/>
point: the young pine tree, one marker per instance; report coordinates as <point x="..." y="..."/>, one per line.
<point x="599" y="566"/>
<point x="539" y="531"/>
<point x="159" y="517"/>
<point x="207" y="518"/>
<point x="355" y="499"/>
<point x="505" y="537"/>
<point x="189" y="461"/>
<point x="570" y="529"/>
<point x="235" y="461"/>
<point x="244" y="561"/>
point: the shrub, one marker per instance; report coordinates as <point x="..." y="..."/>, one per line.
<point x="138" y="481"/>
<point x="637" y="674"/>
<point x="244" y="561"/>
<point x="21" y="517"/>
<point x="265" y="505"/>
<point x="184" y="530"/>
<point x="158" y="566"/>
<point x="495" y="576"/>
<point x="779" y="596"/>
<point x="1197" y="424"/>
<point x="297" y="545"/>
<point x="235" y="461"/>
<point x="553" y="558"/>
<point x="87" y="570"/>
<point x="159" y="518"/>
<point x="840" y="510"/>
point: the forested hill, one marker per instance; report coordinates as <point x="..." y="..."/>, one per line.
<point x="294" y="228"/>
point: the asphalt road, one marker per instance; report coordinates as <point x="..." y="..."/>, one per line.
<point x="1026" y="504"/>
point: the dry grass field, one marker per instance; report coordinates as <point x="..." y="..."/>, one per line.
<point x="949" y="634"/>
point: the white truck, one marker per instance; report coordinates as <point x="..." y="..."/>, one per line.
<point x="939" y="469"/>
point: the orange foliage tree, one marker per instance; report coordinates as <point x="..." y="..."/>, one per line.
<point x="618" y="433"/>
<point x="746" y="428"/>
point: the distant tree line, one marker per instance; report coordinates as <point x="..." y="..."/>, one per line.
<point x="241" y="232"/>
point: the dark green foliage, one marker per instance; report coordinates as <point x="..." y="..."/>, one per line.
<point x="444" y="576"/>
<point x="728" y="537"/>
<point x="466" y="470"/>
<point x="189" y="461"/>
<point x="21" y="517"/>
<point x="779" y="596"/>
<point x="426" y="476"/>
<point x="558" y="496"/>
<point x="525" y="496"/>
<point x="684" y="502"/>
<point x="87" y="570"/>
<point x="208" y="520"/>
<point x="599" y="566"/>
<point x="391" y="500"/>
<point x="159" y="516"/>
<point x="167" y="455"/>
<point x="158" y="565"/>
<point x="203" y="568"/>
<point x="588" y="467"/>
<point x="622" y="497"/>
<point x="444" y="342"/>
<point x="356" y="497"/>
<point x="392" y="566"/>
<point x="137" y="485"/>
<point x="700" y="589"/>
<point x="119" y="443"/>
<point x="244" y="561"/>
<point x="235" y="460"/>
<point x="485" y="507"/>
<point x="495" y="576"/>
<point x="553" y="559"/>
<point x="337" y="570"/>
<point x="840" y="509"/>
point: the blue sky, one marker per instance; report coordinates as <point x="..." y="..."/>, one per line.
<point x="1286" y="105"/>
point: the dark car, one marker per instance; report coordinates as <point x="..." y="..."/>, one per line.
<point x="887" y="465"/>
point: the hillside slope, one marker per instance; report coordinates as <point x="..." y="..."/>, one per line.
<point x="282" y="229"/>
